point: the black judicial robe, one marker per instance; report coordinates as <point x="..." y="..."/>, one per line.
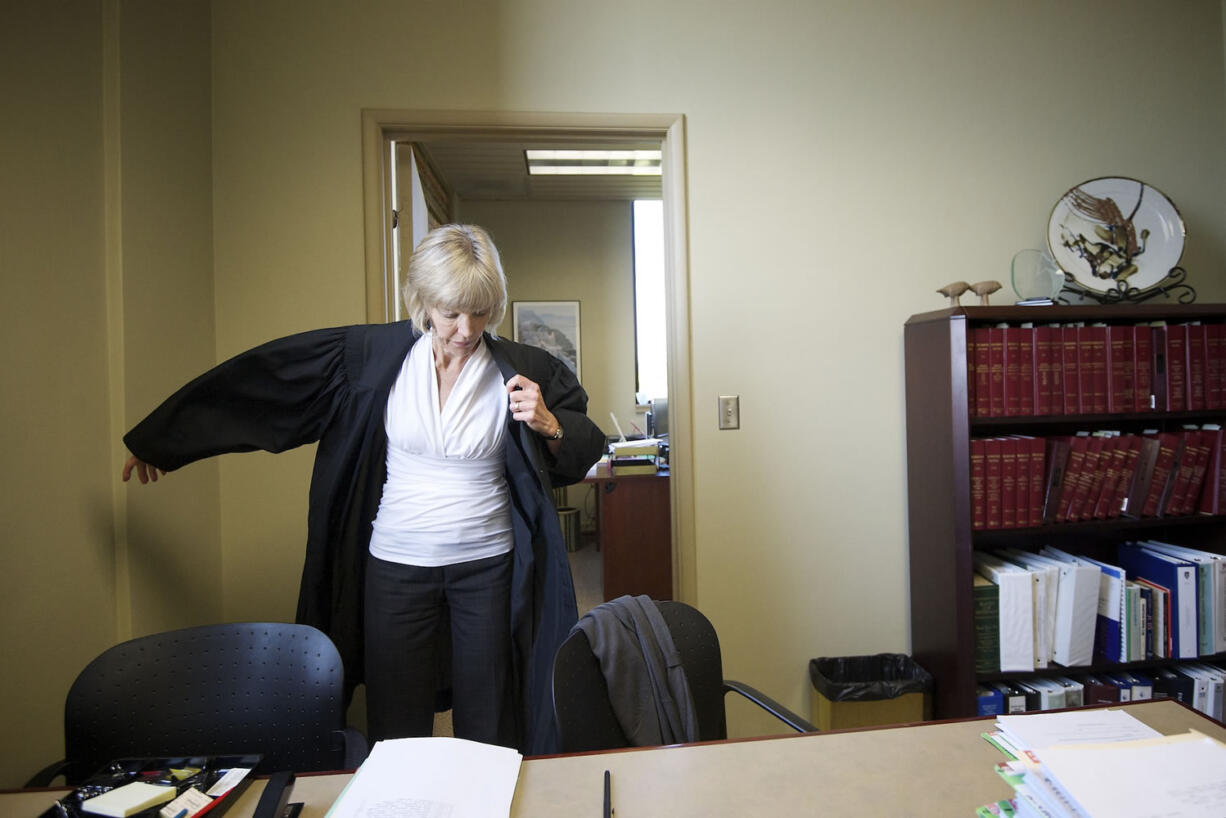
<point x="331" y="386"/>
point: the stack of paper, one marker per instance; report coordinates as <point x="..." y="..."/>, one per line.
<point x="431" y="777"/>
<point x="635" y="456"/>
<point x="1106" y="763"/>
<point x="1039" y="731"/>
<point x="128" y="799"/>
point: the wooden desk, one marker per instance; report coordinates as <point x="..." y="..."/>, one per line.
<point x="634" y="531"/>
<point x="933" y="769"/>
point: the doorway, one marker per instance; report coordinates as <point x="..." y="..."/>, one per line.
<point x="383" y="129"/>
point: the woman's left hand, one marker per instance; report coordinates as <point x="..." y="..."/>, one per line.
<point x="528" y="406"/>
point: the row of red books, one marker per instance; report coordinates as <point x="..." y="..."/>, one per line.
<point x="1070" y="369"/>
<point x="1021" y="481"/>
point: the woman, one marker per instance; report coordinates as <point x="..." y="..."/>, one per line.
<point x="430" y="500"/>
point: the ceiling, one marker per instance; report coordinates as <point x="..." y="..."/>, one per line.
<point x="487" y="170"/>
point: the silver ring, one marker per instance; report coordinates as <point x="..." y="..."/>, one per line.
<point x="515" y="406"/>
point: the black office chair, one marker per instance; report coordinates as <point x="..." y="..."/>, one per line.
<point x="250" y="687"/>
<point x="581" y="698"/>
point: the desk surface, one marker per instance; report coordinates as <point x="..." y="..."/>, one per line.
<point x="933" y="769"/>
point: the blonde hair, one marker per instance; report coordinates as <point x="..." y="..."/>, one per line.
<point x="455" y="267"/>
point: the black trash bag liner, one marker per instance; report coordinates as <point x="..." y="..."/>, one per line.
<point x="868" y="678"/>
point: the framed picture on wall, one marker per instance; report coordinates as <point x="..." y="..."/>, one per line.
<point x="551" y="325"/>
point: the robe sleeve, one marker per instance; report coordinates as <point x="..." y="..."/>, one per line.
<point x="274" y="397"/>
<point x="582" y="440"/>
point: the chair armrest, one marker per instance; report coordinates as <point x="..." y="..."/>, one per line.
<point x="770" y="705"/>
<point x="354" y="745"/>
<point x="46" y="775"/>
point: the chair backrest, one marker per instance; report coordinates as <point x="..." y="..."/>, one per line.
<point x="695" y="639"/>
<point x="251" y="687"/>
<point x="581" y="698"/>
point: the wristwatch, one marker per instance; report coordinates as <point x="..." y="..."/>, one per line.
<point x="558" y="434"/>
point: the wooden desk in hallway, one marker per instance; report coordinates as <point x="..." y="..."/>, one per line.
<point x="634" y="532"/>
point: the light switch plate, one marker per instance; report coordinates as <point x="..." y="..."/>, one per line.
<point x="729" y="411"/>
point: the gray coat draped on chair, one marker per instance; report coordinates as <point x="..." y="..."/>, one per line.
<point x="648" y="688"/>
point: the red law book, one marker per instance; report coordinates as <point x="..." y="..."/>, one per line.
<point x="1160" y="378"/>
<point x="1120" y="367"/>
<point x="1143" y="475"/>
<point x="1012" y="339"/>
<point x="1025" y="370"/>
<point x="1200" y="465"/>
<point x="1213" y="492"/>
<point x="1177" y="367"/>
<point x="1131" y="447"/>
<point x="1169" y="445"/>
<point x="1021" y="482"/>
<point x="1056" y="455"/>
<point x="1008" y="482"/>
<point x="1143" y="367"/>
<point x="1196" y="367"/>
<point x="983" y="371"/>
<point x="1181" y="474"/>
<point x="970" y="372"/>
<point x="1110" y="463"/>
<point x="1214" y="369"/>
<point x="996" y="368"/>
<point x="1057" y="369"/>
<point x="1085" y="478"/>
<point x="1043" y="372"/>
<point x="1098" y="476"/>
<point x="1037" y="448"/>
<point x="1072" y="364"/>
<point x="1092" y="358"/>
<point x="1072" y="474"/>
<point x="992" y="464"/>
<point x="979" y="507"/>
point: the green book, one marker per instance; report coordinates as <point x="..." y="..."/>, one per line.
<point x="985" y="606"/>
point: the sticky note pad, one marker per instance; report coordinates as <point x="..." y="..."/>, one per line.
<point x="128" y="799"/>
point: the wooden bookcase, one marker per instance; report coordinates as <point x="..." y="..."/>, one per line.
<point x="942" y="542"/>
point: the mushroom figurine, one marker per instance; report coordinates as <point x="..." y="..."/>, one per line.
<point x="952" y="291"/>
<point x="983" y="289"/>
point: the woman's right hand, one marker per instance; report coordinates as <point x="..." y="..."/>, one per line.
<point x="144" y="471"/>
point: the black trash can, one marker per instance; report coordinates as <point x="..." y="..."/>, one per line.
<point x="863" y="691"/>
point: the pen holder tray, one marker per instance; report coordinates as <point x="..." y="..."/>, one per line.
<point x="181" y="772"/>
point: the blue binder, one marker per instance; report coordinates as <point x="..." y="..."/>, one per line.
<point x="1180" y="577"/>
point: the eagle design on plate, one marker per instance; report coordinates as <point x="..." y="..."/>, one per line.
<point x="1112" y="252"/>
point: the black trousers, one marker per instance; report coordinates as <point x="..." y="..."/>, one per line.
<point x="405" y="605"/>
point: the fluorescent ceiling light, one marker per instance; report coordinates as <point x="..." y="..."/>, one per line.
<point x="592" y="170"/>
<point x="535" y="155"/>
<point x="593" y="162"/>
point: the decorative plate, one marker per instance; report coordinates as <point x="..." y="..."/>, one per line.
<point x="1115" y="233"/>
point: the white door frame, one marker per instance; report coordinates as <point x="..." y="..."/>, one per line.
<point x="381" y="127"/>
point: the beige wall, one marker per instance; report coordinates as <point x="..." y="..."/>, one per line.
<point x="56" y="607"/>
<point x="845" y="159"/>
<point x="165" y="280"/>
<point x="106" y="253"/>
